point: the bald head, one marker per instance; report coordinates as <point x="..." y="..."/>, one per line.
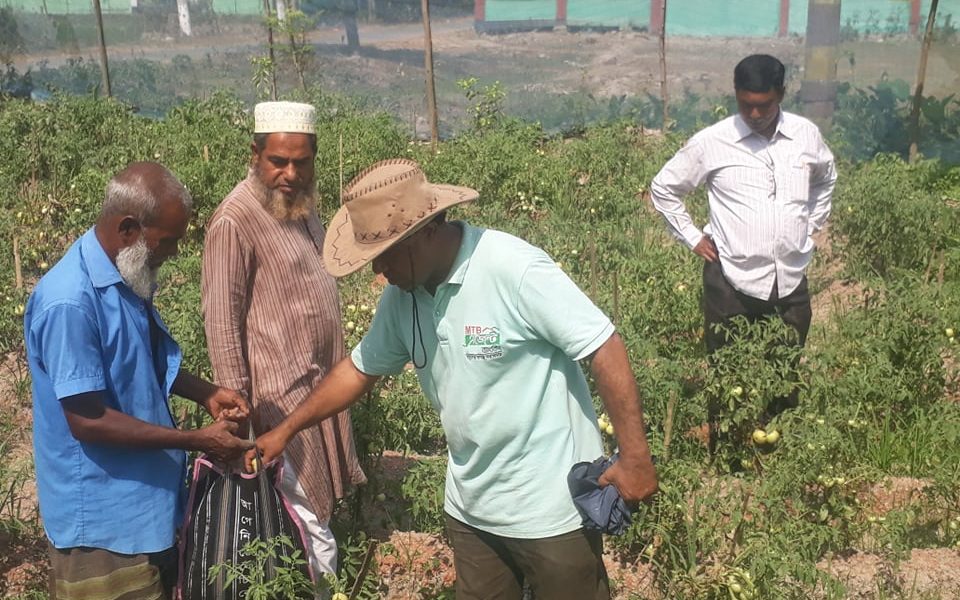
<point x="142" y="191"/>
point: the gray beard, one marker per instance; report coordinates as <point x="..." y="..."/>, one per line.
<point x="133" y="264"/>
<point x="277" y="204"/>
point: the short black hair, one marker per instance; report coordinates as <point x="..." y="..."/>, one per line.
<point x="260" y="141"/>
<point x="759" y="73"/>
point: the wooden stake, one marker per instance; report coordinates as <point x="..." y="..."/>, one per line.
<point x="364" y="568"/>
<point x="616" y="297"/>
<point x="592" y="251"/>
<point x="17" y="269"/>
<point x="668" y="425"/>
<point x="663" y="62"/>
<point x="273" y="64"/>
<point x="104" y="67"/>
<point x="921" y="78"/>
<point x="428" y="63"/>
<point x="206" y="153"/>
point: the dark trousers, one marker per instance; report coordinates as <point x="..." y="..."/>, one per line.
<point x="721" y="302"/>
<point x="562" y="567"/>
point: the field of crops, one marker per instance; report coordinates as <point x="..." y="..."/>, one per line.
<point x="859" y="497"/>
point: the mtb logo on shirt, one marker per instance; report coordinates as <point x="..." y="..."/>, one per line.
<point x="481" y="343"/>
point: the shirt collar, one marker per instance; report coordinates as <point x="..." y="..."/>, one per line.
<point x="103" y="273"/>
<point x="784" y="127"/>
<point x="468" y="243"/>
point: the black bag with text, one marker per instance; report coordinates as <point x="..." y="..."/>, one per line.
<point x="226" y="511"/>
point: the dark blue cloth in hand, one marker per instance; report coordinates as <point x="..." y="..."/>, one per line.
<point x="602" y="508"/>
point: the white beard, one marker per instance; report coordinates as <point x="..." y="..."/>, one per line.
<point x="133" y="264"/>
<point x="277" y="204"/>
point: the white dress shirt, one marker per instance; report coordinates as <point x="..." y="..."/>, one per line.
<point x="766" y="198"/>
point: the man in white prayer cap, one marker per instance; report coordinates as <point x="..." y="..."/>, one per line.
<point x="272" y="313"/>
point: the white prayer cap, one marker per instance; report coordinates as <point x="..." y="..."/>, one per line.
<point x="284" y="117"/>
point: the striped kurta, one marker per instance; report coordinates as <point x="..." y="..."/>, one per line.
<point x="272" y="319"/>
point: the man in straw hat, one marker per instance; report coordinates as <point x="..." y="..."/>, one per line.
<point x="272" y="313"/>
<point x="494" y="329"/>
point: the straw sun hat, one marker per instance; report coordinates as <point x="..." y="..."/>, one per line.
<point x="381" y="206"/>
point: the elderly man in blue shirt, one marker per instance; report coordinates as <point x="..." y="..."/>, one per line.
<point x="110" y="460"/>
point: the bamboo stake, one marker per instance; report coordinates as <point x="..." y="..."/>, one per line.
<point x="592" y="251"/>
<point x="428" y="63"/>
<point x="273" y="64"/>
<point x="668" y="425"/>
<point x="616" y="297"/>
<point x="364" y="568"/>
<point x="663" y="63"/>
<point x="921" y="77"/>
<point x="17" y="269"/>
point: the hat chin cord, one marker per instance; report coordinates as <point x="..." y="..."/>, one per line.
<point x="416" y="319"/>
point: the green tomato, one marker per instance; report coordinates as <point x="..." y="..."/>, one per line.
<point x="737" y="391"/>
<point x="773" y="437"/>
<point x="759" y="436"/>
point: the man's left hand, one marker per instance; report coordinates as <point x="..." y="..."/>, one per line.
<point x="227" y="404"/>
<point x="636" y="480"/>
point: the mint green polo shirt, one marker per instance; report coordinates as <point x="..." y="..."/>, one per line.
<point x="502" y="337"/>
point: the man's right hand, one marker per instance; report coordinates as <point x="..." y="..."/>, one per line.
<point x="270" y="445"/>
<point x="220" y="441"/>
<point x="707" y="249"/>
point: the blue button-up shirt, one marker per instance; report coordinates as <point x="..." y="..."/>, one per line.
<point x="86" y="331"/>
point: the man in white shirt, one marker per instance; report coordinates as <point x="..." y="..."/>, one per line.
<point x="769" y="179"/>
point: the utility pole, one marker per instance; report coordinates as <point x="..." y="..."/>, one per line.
<point x="818" y="90"/>
<point x="104" y="67"/>
<point x="428" y="63"/>
<point x="921" y="78"/>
